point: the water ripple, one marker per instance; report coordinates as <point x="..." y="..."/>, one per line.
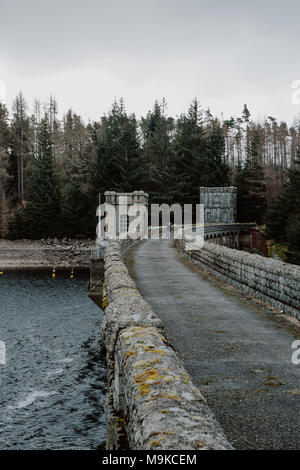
<point x="53" y="385"/>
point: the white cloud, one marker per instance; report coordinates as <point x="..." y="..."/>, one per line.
<point x="86" y="53"/>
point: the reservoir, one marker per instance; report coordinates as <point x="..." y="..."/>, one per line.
<point x="52" y="387"/>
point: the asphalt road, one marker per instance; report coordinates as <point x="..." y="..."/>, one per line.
<point x="237" y="351"/>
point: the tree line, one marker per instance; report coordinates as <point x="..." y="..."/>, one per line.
<point x="52" y="170"/>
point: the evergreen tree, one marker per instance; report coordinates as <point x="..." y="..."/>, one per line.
<point x="168" y="159"/>
<point x="4" y="148"/>
<point x="150" y="171"/>
<point x="283" y="218"/>
<point x="251" y="203"/>
<point x="199" y="156"/>
<point x="118" y="148"/>
<point x="76" y="218"/>
<point x="41" y="215"/>
<point x="20" y="147"/>
<point x="189" y="146"/>
<point x="75" y="166"/>
<point x="214" y="164"/>
<point x="246" y="114"/>
<point x="4" y="176"/>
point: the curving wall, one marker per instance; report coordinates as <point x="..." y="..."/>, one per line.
<point x="152" y="402"/>
<point x="274" y="282"/>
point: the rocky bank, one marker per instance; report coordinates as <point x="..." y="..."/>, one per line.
<point x="45" y="253"/>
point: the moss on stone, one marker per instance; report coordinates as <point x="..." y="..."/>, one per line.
<point x="104" y="298"/>
<point x="155" y="351"/>
<point x="145" y="364"/>
<point x="159" y="440"/>
<point x="143" y="379"/>
<point x="167" y="396"/>
<point x="130" y="353"/>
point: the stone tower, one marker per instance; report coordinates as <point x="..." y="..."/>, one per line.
<point x="219" y="204"/>
<point x="122" y="202"/>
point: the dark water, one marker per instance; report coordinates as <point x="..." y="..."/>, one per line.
<point x="53" y="384"/>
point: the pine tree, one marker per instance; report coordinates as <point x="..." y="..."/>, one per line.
<point x="75" y="168"/>
<point x="4" y="215"/>
<point x="42" y="212"/>
<point x="283" y="218"/>
<point x="118" y="150"/>
<point x="4" y="176"/>
<point x="188" y="149"/>
<point x="251" y="203"/>
<point x="150" y="170"/>
<point x="115" y="145"/>
<point x="199" y="156"/>
<point x="21" y="135"/>
<point x="76" y="220"/>
<point x="246" y="114"/>
<point x="214" y="160"/>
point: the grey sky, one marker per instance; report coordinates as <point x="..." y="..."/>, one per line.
<point x="86" y="52"/>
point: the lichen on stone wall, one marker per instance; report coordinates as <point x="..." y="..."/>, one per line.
<point x="147" y="382"/>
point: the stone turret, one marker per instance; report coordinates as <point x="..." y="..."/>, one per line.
<point x="219" y="204"/>
<point x="122" y="203"/>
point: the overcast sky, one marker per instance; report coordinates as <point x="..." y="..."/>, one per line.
<point x="87" y="52"/>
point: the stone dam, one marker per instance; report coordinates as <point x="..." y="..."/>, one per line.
<point x="152" y="400"/>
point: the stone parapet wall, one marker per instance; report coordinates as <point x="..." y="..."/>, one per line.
<point x="127" y="243"/>
<point x="152" y="402"/>
<point x="275" y="283"/>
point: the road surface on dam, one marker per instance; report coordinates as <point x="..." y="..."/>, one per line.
<point x="238" y="352"/>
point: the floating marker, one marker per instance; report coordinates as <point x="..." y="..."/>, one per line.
<point x="72" y="274"/>
<point x="1" y="272"/>
<point x="53" y="273"/>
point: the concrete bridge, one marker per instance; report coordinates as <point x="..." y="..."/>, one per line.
<point x="193" y="361"/>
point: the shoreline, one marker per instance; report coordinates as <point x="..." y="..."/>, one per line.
<point x="47" y="253"/>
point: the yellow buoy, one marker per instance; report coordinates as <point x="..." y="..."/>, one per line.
<point x="1" y="272"/>
<point x="53" y="273"/>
